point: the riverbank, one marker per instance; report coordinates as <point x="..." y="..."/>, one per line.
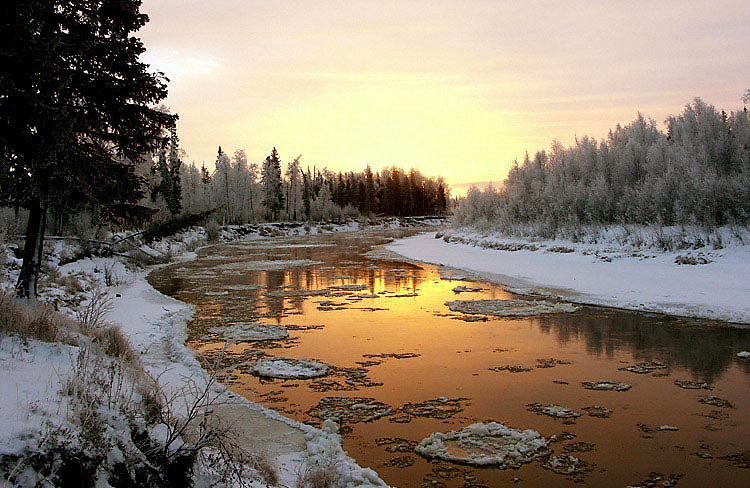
<point x="38" y="410"/>
<point x="707" y="282"/>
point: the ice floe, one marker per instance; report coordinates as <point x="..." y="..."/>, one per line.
<point x="485" y="444"/>
<point x="510" y="308"/>
<point x="266" y="265"/>
<point x="554" y="411"/>
<point x="353" y="287"/>
<point x="349" y="409"/>
<point x="566" y="464"/>
<point x="645" y="367"/>
<point x="693" y="385"/>
<point x="716" y="402"/>
<point x="598" y="411"/>
<point x="465" y="289"/>
<point x="606" y="385"/>
<point x="296" y="293"/>
<point x="250" y="331"/>
<point x="288" y="368"/>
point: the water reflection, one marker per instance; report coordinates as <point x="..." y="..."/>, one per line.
<point x="399" y="307"/>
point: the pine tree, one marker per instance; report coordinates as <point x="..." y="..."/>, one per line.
<point x="76" y="113"/>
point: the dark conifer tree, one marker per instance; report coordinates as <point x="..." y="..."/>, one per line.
<point x="76" y="111"/>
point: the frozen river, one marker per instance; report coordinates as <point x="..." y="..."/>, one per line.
<point x="324" y="327"/>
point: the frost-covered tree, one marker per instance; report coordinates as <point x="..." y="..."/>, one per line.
<point x="695" y="172"/>
<point x="293" y="184"/>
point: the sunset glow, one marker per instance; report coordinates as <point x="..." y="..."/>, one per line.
<point x="458" y="89"/>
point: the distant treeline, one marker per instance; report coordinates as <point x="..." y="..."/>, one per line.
<point x="251" y="192"/>
<point x="695" y="172"/>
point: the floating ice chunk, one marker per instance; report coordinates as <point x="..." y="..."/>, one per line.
<point x="485" y="444"/>
<point x="296" y="293"/>
<point x="453" y="277"/>
<point x="509" y="308"/>
<point x="266" y="265"/>
<point x="693" y="385"/>
<point x="288" y="368"/>
<point x="555" y="411"/>
<point x="644" y="368"/>
<point x="606" y="385"/>
<point x="566" y="464"/>
<point x="464" y="289"/>
<point x="349" y="287"/>
<point x="250" y="331"/>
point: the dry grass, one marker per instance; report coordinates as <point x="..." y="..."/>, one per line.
<point x="92" y="313"/>
<point x="322" y="472"/>
<point x="34" y="320"/>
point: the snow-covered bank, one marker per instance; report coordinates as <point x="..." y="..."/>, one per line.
<point x="36" y="374"/>
<point x="707" y="283"/>
<point x="156" y="325"/>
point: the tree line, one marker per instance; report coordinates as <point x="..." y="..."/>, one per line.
<point x="244" y="192"/>
<point x="697" y="171"/>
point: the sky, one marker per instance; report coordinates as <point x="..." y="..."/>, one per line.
<point x="455" y="88"/>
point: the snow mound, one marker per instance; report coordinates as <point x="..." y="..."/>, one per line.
<point x="485" y="444"/>
<point x="509" y="308"/>
<point x="250" y="331"/>
<point x="288" y="368"/>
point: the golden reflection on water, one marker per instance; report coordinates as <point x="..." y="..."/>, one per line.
<point x="454" y="358"/>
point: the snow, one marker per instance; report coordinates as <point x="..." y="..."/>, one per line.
<point x="485" y="444"/>
<point x="33" y="373"/>
<point x="598" y="275"/>
<point x="29" y="389"/>
<point x="288" y="368"/>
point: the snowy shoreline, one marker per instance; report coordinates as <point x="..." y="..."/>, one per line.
<point x="155" y="326"/>
<point x="161" y="318"/>
<point x="649" y="281"/>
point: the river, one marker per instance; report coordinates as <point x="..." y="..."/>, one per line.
<point x="402" y="365"/>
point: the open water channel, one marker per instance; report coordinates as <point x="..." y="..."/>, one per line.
<point x="399" y="365"/>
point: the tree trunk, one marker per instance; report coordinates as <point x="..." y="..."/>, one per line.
<point x="26" y="287"/>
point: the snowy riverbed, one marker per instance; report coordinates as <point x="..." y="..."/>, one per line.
<point x="598" y="275"/>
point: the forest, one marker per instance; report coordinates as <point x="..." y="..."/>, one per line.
<point x="245" y="191"/>
<point x="696" y="172"/>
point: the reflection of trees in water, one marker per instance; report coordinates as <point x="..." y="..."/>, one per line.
<point x="706" y="351"/>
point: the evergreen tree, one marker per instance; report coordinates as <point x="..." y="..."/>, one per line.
<point x="271" y="180"/>
<point x="76" y="112"/>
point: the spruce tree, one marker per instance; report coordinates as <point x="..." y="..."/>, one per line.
<point x="271" y="180"/>
<point x="76" y="111"/>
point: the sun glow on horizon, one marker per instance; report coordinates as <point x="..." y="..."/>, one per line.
<point x="456" y="90"/>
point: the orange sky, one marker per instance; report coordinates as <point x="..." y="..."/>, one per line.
<point x="456" y="88"/>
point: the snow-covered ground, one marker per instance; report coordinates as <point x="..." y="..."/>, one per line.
<point x="711" y="282"/>
<point x="33" y="374"/>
